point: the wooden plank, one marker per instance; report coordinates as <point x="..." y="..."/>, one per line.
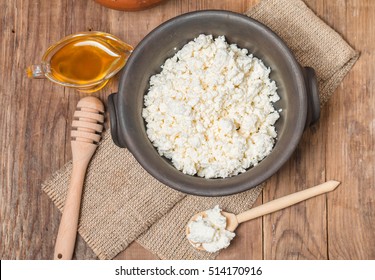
<point x="351" y="141"/>
<point x="299" y="232"/>
<point x="33" y="127"/>
<point x="249" y="246"/>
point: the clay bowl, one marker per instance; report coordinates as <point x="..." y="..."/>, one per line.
<point x="296" y="86"/>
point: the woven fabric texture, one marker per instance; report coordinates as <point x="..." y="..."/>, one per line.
<point x="122" y="202"/>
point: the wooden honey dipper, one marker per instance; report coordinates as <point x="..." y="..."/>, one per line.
<point x="86" y="131"/>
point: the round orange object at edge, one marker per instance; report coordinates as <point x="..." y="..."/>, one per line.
<point x="129" y="5"/>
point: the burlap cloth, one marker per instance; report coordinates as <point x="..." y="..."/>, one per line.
<point x="123" y="203"/>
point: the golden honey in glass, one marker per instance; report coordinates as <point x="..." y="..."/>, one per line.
<point x="85" y="61"/>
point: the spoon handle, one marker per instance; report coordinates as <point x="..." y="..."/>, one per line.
<point x="286" y="201"/>
<point x="67" y="233"/>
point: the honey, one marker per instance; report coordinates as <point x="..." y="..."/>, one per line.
<point x="85" y="61"/>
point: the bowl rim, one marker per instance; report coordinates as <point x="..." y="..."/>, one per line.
<point x="131" y="144"/>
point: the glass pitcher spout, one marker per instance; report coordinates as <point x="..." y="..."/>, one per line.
<point x="37" y="71"/>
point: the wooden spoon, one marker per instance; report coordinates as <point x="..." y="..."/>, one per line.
<point x="234" y="220"/>
<point x="86" y="131"/>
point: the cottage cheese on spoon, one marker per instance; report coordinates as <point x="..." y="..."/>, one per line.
<point x="210" y="109"/>
<point x="209" y="231"/>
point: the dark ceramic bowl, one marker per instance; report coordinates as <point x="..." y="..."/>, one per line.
<point x="296" y="87"/>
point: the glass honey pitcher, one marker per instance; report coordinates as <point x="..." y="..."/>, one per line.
<point x="84" y="61"/>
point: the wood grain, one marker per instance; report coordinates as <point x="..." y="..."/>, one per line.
<point x="35" y="132"/>
<point x="351" y="118"/>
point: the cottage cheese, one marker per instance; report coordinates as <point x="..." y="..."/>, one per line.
<point x="209" y="231"/>
<point x="210" y="109"/>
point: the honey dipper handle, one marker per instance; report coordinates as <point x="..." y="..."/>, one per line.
<point x="286" y="201"/>
<point x="67" y="233"/>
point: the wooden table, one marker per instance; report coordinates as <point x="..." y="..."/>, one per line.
<point x="35" y="131"/>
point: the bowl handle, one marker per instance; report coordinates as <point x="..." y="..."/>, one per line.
<point x="114" y="126"/>
<point x="313" y="103"/>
